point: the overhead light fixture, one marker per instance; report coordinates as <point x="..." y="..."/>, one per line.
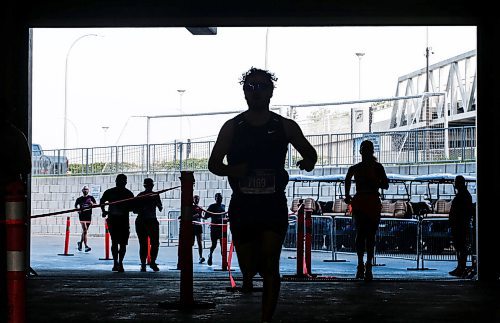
<point x="202" y="30"/>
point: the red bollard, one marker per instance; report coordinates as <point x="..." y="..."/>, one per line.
<point x="224" y="245"/>
<point x="300" y="240"/>
<point x="185" y="237"/>
<point x="66" y="240"/>
<point x="148" y="259"/>
<point x="185" y="250"/>
<point x="309" y="204"/>
<point x="15" y="220"/>
<point x="106" y="242"/>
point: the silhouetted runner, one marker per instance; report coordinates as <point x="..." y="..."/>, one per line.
<point x="217" y="219"/>
<point x="147" y="225"/>
<point x="255" y="143"/>
<point x="369" y="176"/>
<point x="118" y="219"/>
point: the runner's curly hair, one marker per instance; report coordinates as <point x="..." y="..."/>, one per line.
<point x="253" y="70"/>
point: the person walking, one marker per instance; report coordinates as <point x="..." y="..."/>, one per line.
<point x="85" y="203"/>
<point x="147" y="225"/>
<point x="366" y="206"/>
<point x="215" y="212"/>
<point x="255" y="144"/>
<point x="118" y="219"/>
<point x="198" y="227"/>
<point x="460" y="217"/>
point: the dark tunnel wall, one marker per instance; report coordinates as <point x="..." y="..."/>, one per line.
<point x="19" y="16"/>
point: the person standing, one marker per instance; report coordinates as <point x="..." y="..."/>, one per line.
<point x="366" y="206"/>
<point x="216" y="212"/>
<point x="460" y="217"/>
<point x="197" y="227"/>
<point x="118" y="219"/>
<point x="147" y="225"/>
<point x="85" y="203"/>
<point x="255" y="144"/>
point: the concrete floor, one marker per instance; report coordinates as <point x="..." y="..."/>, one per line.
<point x="82" y="288"/>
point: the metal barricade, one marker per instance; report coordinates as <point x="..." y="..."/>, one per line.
<point x="291" y="234"/>
<point x="397" y="238"/>
<point x="322" y="232"/>
<point x="172" y="226"/>
<point x="344" y="234"/>
<point x="438" y="242"/>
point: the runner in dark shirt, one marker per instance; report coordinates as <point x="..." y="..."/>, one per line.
<point x="85" y="203"/>
<point x="255" y="143"/>
<point x="197" y="227"/>
<point x="118" y="219"/>
<point x="215" y="213"/>
<point x="146" y="224"/>
<point x="461" y="213"/>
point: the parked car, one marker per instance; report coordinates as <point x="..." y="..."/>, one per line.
<point x="47" y="164"/>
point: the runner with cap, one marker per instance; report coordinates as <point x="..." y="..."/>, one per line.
<point x="85" y="203"/>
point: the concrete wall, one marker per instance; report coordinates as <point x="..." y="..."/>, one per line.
<point x="51" y="194"/>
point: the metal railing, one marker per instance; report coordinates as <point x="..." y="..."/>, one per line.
<point x="411" y="239"/>
<point x="433" y="145"/>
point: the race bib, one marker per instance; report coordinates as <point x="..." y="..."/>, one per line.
<point x="262" y="181"/>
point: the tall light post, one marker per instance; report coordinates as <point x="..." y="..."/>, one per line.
<point x="181" y="92"/>
<point x="266" y="49"/>
<point x="66" y="87"/>
<point x="359" y="55"/>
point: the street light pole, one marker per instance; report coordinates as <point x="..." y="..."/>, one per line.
<point x="266" y="50"/>
<point x="66" y="88"/>
<point x="181" y="92"/>
<point x="359" y="55"/>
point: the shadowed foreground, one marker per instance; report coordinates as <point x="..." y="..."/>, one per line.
<point x="83" y="296"/>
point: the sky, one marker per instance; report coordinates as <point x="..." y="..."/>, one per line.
<point x="105" y="78"/>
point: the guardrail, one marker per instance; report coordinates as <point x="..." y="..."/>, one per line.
<point x="395" y="147"/>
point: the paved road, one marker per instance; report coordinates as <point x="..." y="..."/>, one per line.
<point x="82" y="288"/>
<point x="45" y="250"/>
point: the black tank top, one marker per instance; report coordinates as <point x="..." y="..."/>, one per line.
<point x="263" y="148"/>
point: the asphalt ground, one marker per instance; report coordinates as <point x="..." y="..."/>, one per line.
<point x="82" y="288"/>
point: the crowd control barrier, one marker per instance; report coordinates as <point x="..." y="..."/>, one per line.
<point x="66" y="238"/>
<point x="417" y="239"/>
<point x="16" y="230"/>
<point x="106" y="242"/>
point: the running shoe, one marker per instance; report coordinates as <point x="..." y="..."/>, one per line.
<point x="368" y="273"/>
<point x="360" y="273"/>
<point x="247" y="286"/>
<point x="79" y="244"/>
<point x="87" y="249"/>
<point x="458" y="272"/>
<point x="202" y="260"/>
<point x="115" y="267"/>
<point x="143" y="268"/>
<point x="154" y="266"/>
<point x="120" y="268"/>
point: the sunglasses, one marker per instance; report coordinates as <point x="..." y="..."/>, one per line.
<point x="257" y="86"/>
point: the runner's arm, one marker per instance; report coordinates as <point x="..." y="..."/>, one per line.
<point x="303" y="146"/>
<point x="347" y="184"/>
<point x="221" y="148"/>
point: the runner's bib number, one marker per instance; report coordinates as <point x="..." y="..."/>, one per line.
<point x="261" y="182"/>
